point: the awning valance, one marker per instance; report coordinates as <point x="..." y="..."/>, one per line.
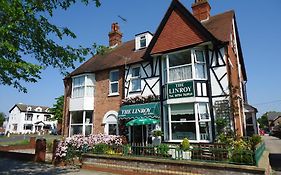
<point x="150" y="110"/>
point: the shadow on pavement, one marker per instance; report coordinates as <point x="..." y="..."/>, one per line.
<point x="16" y="167"/>
<point x="275" y="161"/>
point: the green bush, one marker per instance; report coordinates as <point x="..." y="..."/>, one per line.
<point x="163" y="149"/>
<point x="255" y="140"/>
<point x="100" y="148"/>
<point x="185" y="145"/>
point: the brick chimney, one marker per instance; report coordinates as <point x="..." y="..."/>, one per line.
<point x="201" y="9"/>
<point x="115" y="36"/>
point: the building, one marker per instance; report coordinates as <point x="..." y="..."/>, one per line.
<point x="273" y="119"/>
<point x="30" y="119"/>
<point x="187" y="75"/>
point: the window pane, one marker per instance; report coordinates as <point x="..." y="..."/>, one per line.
<point x="180" y="58"/>
<point x="204" y="130"/>
<point x="88" y="130"/>
<point x="89" y="91"/>
<point x="76" y="129"/>
<point x="90" y="80"/>
<point x="136" y="72"/>
<point x="89" y="117"/>
<point x="136" y="84"/>
<point x="182" y="130"/>
<point x="200" y="71"/>
<point x="186" y="108"/>
<point x="77" y="117"/>
<point x="112" y="128"/>
<point x="79" y="81"/>
<point x="114" y="87"/>
<point x="142" y="42"/>
<point x="199" y="56"/>
<point x="203" y="110"/>
<point x="114" y="75"/>
<point x="180" y="73"/>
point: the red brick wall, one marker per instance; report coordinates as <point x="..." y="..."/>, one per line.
<point x="235" y="90"/>
<point x="103" y="102"/>
<point x="177" y="33"/>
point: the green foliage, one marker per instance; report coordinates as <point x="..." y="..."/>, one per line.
<point x="101" y="148"/>
<point x="102" y="50"/>
<point x="163" y="149"/>
<point x="185" y="145"/>
<point x="263" y="121"/>
<point x="157" y="133"/>
<point x="57" y="109"/>
<point x="26" y="32"/>
<point x="221" y="124"/>
<point x="255" y="140"/>
<point x="2" y="118"/>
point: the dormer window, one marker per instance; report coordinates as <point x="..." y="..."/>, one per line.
<point x="142" y="40"/>
<point x="28" y="108"/>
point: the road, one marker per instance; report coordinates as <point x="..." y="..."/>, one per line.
<point x="273" y="145"/>
<point x="16" y="167"/>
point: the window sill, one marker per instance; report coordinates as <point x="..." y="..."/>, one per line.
<point x="136" y="91"/>
<point x="113" y="94"/>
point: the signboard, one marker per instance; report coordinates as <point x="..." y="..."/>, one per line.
<point x="180" y="90"/>
<point x="140" y="110"/>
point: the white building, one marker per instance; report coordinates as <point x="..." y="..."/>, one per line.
<point x="30" y="119"/>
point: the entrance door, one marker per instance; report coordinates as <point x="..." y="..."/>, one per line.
<point x="139" y="135"/>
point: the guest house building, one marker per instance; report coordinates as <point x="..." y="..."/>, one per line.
<point x="187" y="75"/>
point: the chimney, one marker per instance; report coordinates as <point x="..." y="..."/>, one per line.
<point x="115" y="36"/>
<point x="201" y="9"/>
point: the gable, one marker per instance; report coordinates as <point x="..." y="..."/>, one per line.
<point x="177" y="33"/>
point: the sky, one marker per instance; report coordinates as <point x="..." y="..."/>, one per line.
<point x="259" y="26"/>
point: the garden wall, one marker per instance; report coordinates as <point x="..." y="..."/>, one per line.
<point x="30" y="145"/>
<point x="142" y="165"/>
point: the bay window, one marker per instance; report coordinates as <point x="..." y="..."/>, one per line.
<point x="83" y="86"/>
<point x="185" y="65"/>
<point x="187" y="120"/>
<point x="81" y="122"/>
<point x="113" y="82"/>
<point x="136" y="79"/>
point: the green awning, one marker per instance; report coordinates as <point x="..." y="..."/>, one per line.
<point x="146" y="110"/>
<point x="142" y="121"/>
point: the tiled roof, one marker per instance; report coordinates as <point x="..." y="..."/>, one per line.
<point x="23" y="108"/>
<point x="218" y="25"/>
<point x="273" y="115"/>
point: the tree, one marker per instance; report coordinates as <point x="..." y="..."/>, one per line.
<point x="263" y="121"/>
<point x="2" y="118"/>
<point x="57" y="109"/>
<point x="26" y="32"/>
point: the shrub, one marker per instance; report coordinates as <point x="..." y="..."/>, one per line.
<point x="100" y="148"/>
<point x="185" y="145"/>
<point x="255" y="140"/>
<point x="163" y="149"/>
<point x="157" y="133"/>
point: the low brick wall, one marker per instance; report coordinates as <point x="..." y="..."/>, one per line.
<point x="31" y="145"/>
<point x="142" y="165"/>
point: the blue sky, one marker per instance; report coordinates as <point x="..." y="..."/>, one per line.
<point x="259" y="25"/>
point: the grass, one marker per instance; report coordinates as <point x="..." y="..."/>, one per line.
<point x="17" y="142"/>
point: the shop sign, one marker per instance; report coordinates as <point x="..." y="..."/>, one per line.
<point x="180" y="90"/>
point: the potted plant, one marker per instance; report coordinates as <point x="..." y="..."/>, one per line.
<point x="156" y="139"/>
<point x="185" y="147"/>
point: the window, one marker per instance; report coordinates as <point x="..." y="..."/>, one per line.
<point x="200" y="64"/>
<point x="83" y="86"/>
<point x="136" y="79"/>
<point x="47" y="117"/>
<point x="191" y="120"/>
<point x="28" y="117"/>
<point x="81" y="122"/>
<point x="142" y="41"/>
<point x="27" y="126"/>
<point x="180" y="66"/>
<point x="186" y="65"/>
<point x="113" y="84"/>
<point x="111" y="127"/>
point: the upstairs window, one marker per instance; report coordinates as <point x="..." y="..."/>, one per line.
<point x="136" y="79"/>
<point x="83" y="86"/>
<point x="47" y="117"/>
<point x="113" y="82"/>
<point x="142" y="41"/>
<point x="28" y="117"/>
<point x="200" y="64"/>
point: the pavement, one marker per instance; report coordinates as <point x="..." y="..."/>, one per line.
<point x="273" y="146"/>
<point x="17" y="167"/>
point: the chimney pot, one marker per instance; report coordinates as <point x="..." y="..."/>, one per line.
<point x="115" y="36"/>
<point x="201" y="9"/>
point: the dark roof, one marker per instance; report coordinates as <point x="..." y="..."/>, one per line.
<point x="23" y="108"/>
<point x="273" y="115"/>
<point x="250" y="107"/>
<point x="119" y="56"/>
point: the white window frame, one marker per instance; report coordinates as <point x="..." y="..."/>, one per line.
<point x="142" y="38"/>
<point x="113" y="82"/>
<point x="84" y="124"/>
<point x="26" y="117"/>
<point x="84" y="86"/>
<point x="200" y="63"/>
<point x="135" y="78"/>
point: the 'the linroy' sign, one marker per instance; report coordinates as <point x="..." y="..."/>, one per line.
<point x="179" y="90"/>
